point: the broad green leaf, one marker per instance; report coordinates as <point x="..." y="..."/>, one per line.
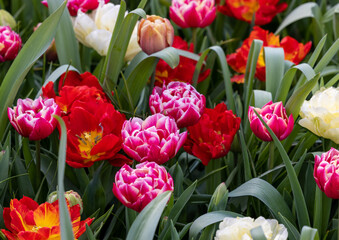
<point x="146" y="222"/>
<point x="308" y="233"/>
<point x="66" y="228"/>
<point x="305" y="10"/>
<point x="35" y="46"/>
<point x="66" y="44"/>
<point x="4" y="167"/>
<point x="174" y="232"/>
<point x="266" y="193"/>
<point x="261" y="98"/>
<point x="89" y="233"/>
<point x="274" y="60"/>
<point x="301" y="208"/>
<point x="207" y="219"/>
<point x="293" y="233"/>
<point x="258" y="234"/>
<point x="328" y="16"/>
<point x="294" y="103"/>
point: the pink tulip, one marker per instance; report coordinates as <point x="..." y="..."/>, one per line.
<point x="34" y="118"/>
<point x="180" y="101"/>
<point x="326" y="173"/>
<point x="84" y="5"/>
<point x="10" y="43"/>
<point x="274" y="114"/>
<point x="156" y="139"/>
<point x="135" y="188"/>
<point x="193" y="13"/>
<point x="154" y="34"/>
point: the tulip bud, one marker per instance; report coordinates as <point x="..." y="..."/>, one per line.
<point x="155" y="33"/>
<point x="72" y="197"/>
<point x="6" y="19"/>
<point x="10" y="43"/>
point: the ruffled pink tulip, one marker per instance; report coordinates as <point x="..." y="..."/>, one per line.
<point x="84" y="5"/>
<point x="154" y="34"/>
<point x="326" y="173"/>
<point x="135" y="188"/>
<point x="34" y="118"/>
<point x="10" y="43"/>
<point x="193" y="13"/>
<point x="274" y="114"/>
<point x="179" y="101"/>
<point x="156" y="139"/>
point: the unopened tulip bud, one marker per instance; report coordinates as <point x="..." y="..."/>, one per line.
<point x="72" y="197"/>
<point x="155" y="33"/>
<point x="6" y="19"/>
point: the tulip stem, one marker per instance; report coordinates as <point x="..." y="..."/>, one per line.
<point x="270" y="161"/>
<point x="37" y="152"/>
<point x="194" y="38"/>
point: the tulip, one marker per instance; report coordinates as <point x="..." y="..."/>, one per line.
<point x="239" y="229"/>
<point x="72" y="197"/>
<point x="192" y="13"/>
<point x="10" y="43"/>
<point x="184" y="72"/>
<point x="320" y="114"/>
<point x="25" y="219"/>
<point x="154" y="34"/>
<point x="155" y="139"/>
<point x="135" y="188"/>
<point x="326" y="173"/>
<point x="95" y="30"/>
<point x="34" y="118"/>
<point x="274" y="114"/>
<point x="213" y="135"/>
<point x="180" y="101"/>
<point x="263" y="10"/>
<point x="294" y="52"/>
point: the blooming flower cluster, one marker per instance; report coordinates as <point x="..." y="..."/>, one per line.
<point x="26" y="219"/>
<point x="294" y="52"/>
<point x="10" y="44"/>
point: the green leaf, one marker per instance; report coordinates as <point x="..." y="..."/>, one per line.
<point x="331" y="52"/>
<point x="35" y="46"/>
<point x="146" y="222"/>
<point x="293" y="233"/>
<point x="305" y="10"/>
<point x="66" y="228"/>
<point x="4" y="167"/>
<point x="219" y="198"/>
<point x="174" y="232"/>
<point x="301" y="208"/>
<point x="207" y="219"/>
<point x="89" y="233"/>
<point x="261" y="98"/>
<point x="308" y="233"/>
<point x="274" y="60"/>
<point x="294" y="103"/>
<point x="266" y="193"/>
<point x="66" y="44"/>
<point x="258" y="234"/>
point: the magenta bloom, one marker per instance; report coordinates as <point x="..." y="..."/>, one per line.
<point x="193" y="13"/>
<point x="274" y="114"/>
<point x="156" y="139"/>
<point x="135" y="188"/>
<point x="179" y="101"/>
<point x="326" y="173"/>
<point x="34" y="118"/>
<point x="84" y="5"/>
<point x="10" y="43"/>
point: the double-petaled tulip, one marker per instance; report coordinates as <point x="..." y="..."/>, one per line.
<point x="240" y="229"/>
<point x="320" y="114"/>
<point x="95" y="30"/>
<point x="75" y="5"/>
<point x="10" y="43"/>
<point x="326" y="173"/>
<point x="263" y="10"/>
<point x="135" y="188"/>
<point x="294" y="52"/>
<point x="180" y="101"/>
<point x="213" y="135"/>
<point x="34" y="118"/>
<point x="184" y="72"/>
<point x="25" y="219"/>
<point x="192" y="13"/>
<point x="274" y="115"/>
<point x="155" y="33"/>
<point x="156" y="139"/>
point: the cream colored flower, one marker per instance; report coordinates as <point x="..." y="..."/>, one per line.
<point x="320" y="114"/>
<point x="239" y="229"/>
<point x="95" y="30"/>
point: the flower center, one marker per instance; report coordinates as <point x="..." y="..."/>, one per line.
<point x="87" y="140"/>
